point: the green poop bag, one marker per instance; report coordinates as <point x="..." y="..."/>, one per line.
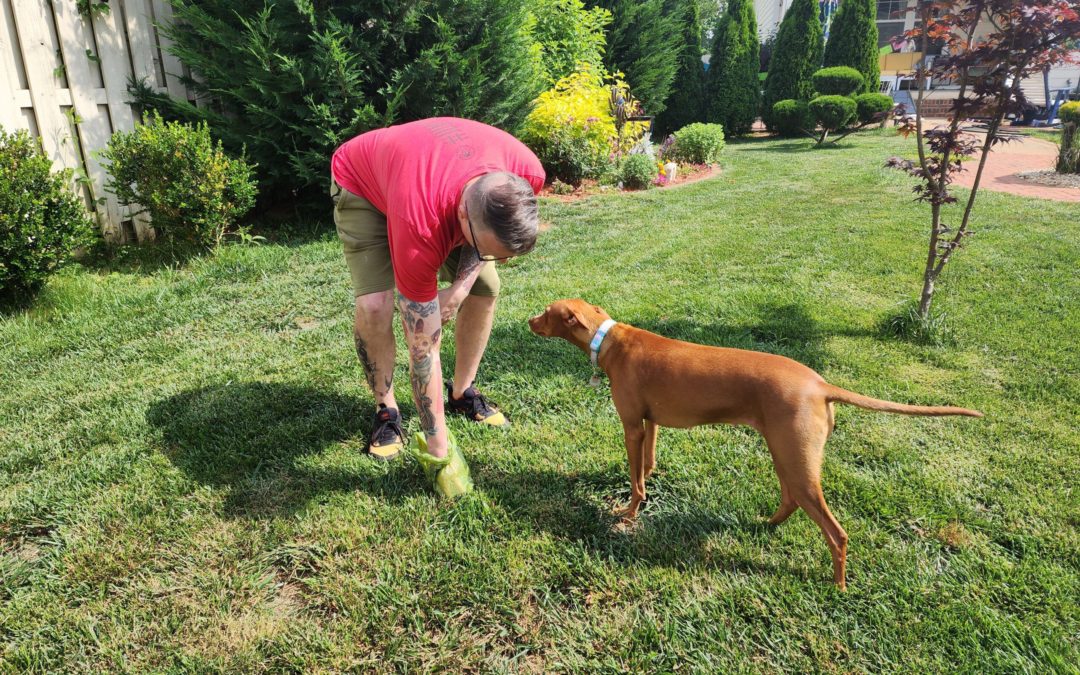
<point x="449" y="475"/>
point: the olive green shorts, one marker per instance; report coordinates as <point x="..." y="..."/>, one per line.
<point x="362" y="230"/>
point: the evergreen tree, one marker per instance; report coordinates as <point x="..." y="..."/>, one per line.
<point x="290" y="82"/>
<point x="797" y="53"/>
<point x="733" y="87"/>
<point x="641" y="38"/>
<point x="853" y="40"/>
<point x="686" y="104"/>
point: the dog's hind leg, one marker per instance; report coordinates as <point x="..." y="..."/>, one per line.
<point x="650" y="448"/>
<point x="788" y="505"/>
<point x="798" y="449"/>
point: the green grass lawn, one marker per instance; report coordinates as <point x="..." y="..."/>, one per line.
<point x="182" y="486"/>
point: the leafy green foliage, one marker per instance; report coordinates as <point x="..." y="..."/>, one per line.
<point x="873" y="106"/>
<point x="698" y="143"/>
<point x="185" y="486"/>
<point x="637" y="171"/>
<point x="796" y="56"/>
<point x="640" y="44"/>
<point x="568" y="34"/>
<point x="853" y="41"/>
<point x="41" y="221"/>
<point x="686" y="104"/>
<point x="734" y="89"/>
<point x="792" y="117"/>
<point x="291" y="82"/>
<point x="833" y="112"/>
<point x="1070" y="112"/>
<point x="837" y="81"/>
<point x="191" y="189"/>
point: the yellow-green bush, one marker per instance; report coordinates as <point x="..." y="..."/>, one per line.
<point x="572" y="129"/>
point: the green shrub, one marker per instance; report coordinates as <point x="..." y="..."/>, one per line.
<point x="686" y="104"/>
<point x="570" y="156"/>
<point x="291" y="81"/>
<point x="641" y="42"/>
<point x="837" y="81"/>
<point x="853" y="41"/>
<point x="833" y="112"/>
<point x="567" y="35"/>
<point x="792" y="118"/>
<point x="638" y="171"/>
<point x="871" y="106"/>
<point x="796" y="56"/>
<point x="191" y="189"/>
<point x="733" y="86"/>
<point x="41" y="220"/>
<point x="698" y="143"/>
<point x="1070" y="112"/>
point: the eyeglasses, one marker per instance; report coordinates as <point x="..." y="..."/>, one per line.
<point x="476" y="247"/>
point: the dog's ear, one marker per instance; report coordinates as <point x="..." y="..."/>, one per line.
<point x="570" y="318"/>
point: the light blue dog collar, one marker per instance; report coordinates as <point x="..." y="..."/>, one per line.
<point x="598" y="339"/>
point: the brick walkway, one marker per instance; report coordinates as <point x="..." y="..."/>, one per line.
<point x="1009" y="159"/>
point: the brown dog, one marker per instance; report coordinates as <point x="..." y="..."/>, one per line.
<point x="656" y="381"/>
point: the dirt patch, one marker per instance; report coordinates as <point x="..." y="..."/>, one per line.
<point x="590" y="188"/>
<point x="1052" y="178"/>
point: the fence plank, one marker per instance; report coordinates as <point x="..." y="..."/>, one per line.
<point x="174" y="70"/>
<point x="11" y="116"/>
<point x="140" y="34"/>
<point x="94" y="128"/>
<point x="31" y="24"/>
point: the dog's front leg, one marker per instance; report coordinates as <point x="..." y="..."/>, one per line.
<point x="650" y="449"/>
<point x="634" y="435"/>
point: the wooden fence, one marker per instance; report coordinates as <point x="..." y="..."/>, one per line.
<point x="64" y="77"/>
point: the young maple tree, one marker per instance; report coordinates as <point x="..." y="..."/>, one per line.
<point x="990" y="46"/>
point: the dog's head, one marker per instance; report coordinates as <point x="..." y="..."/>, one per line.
<point x="573" y="320"/>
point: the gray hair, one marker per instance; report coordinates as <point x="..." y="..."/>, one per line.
<point x="506" y="205"/>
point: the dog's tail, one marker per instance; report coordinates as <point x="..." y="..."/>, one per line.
<point x="844" y="396"/>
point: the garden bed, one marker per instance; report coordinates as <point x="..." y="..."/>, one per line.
<point x="688" y="173"/>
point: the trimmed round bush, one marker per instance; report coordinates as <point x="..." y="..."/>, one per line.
<point x="192" y="190"/>
<point x="833" y="112"/>
<point x="871" y="106"/>
<point x="638" y="172"/>
<point x="41" y="221"/>
<point x="837" y="81"/>
<point x="792" y="118"/>
<point x="1070" y="112"/>
<point x="698" y="143"/>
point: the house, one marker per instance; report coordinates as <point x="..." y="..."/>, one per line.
<point x="898" y="65"/>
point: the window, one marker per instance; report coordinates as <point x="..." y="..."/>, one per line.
<point x="891" y="10"/>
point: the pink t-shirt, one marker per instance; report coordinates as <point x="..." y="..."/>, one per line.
<point x="414" y="173"/>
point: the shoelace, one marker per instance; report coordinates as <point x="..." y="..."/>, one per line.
<point x="387" y="430"/>
<point x="480" y="404"/>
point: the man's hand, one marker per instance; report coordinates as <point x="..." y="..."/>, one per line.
<point x="450" y="299"/>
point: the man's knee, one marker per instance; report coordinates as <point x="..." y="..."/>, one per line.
<point x="375" y="308"/>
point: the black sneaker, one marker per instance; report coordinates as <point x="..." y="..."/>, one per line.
<point x="474" y="406"/>
<point x="387" y="439"/>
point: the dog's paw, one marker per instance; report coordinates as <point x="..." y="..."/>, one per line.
<point x="626" y="526"/>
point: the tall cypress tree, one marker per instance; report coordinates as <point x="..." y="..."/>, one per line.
<point x="639" y="43"/>
<point x="796" y="55"/>
<point x="686" y="104"/>
<point x="734" y="90"/>
<point x="853" y="40"/>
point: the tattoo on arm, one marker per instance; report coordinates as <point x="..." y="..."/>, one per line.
<point x="468" y="262"/>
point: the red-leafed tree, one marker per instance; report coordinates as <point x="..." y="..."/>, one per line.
<point x="990" y="46"/>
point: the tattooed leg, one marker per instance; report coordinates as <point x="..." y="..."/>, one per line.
<point x="373" y="335"/>
<point x="423" y="334"/>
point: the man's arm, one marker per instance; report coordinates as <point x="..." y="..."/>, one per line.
<point x="423" y="335"/>
<point x="450" y="298"/>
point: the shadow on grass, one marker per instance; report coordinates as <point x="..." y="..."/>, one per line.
<point x="253" y="438"/>
<point x="670" y="532"/>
